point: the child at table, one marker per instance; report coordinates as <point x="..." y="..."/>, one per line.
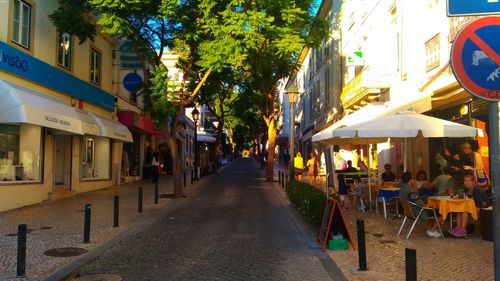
<point x="480" y="200"/>
<point x="357" y="190"/>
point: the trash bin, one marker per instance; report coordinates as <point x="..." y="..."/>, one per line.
<point x="486" y="216"/>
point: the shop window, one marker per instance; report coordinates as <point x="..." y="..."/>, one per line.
<point x="21" y="23"/>
<point x="64" y="50"/>
<point x="20" y="153"/>
<point x="96" y="157"/>
<point x="95" y="66"/>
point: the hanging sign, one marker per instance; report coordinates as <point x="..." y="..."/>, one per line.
<point x="455" y="8"/>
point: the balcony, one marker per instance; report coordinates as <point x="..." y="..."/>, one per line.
<point x="366" y="87"/>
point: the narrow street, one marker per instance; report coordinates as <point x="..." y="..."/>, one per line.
<point x="236" y="228"/>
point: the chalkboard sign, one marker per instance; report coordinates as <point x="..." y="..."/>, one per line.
<point x="333" y="222"/>
<point x="329" y="167"/>
<point x="326" y="222"/>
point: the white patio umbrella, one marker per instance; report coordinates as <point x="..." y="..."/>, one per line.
<point x="406" y="124"/>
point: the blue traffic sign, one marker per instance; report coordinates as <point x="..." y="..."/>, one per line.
<point x="132" y="82"/>
<point x="475" y="58"/>
<point x="457" y="8"/>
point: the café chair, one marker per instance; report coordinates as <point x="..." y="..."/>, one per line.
<point x="409" y="208"/>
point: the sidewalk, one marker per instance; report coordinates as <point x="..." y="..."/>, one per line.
<point x="437" y="259"/>
<point x="57" y="224"/>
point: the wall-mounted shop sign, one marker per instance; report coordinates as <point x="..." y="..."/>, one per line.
<point x="355" y="58"/>
<point x="21" y="64"/>
<point x="128" y="57"/>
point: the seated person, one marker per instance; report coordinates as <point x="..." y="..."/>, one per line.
<point x="408" y="192"/>
<point x="443" y="182"/>
<point x="480" y="199"/>
<point x="357" y="188"/>
<point x="422" y="180"/>
<point x="388" y="175"/>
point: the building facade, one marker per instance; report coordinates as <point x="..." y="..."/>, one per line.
<point x="59" y="134"/>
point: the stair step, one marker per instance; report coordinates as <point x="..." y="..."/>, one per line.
<point x="60" y="194"/>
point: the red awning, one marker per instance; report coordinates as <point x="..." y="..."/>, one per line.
<point x="134" y="120"/>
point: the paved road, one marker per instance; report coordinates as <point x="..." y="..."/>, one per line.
<point x="236" y="228"/>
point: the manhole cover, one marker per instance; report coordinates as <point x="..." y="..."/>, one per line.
<point x="65" y="252"/>
<point x="100" y="277"/>
<point x="387" y="242"/>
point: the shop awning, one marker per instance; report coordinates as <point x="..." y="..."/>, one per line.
<point x="133" y="119"/>
<point x="19" y="104"/>
<point x="89" y="124"/>
<point x="205" y="137"/>
<point x="112" y="129"/>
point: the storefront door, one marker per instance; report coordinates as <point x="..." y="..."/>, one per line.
<point x="62" y="162"/>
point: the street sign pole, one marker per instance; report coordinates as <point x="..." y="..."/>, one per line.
<point x="494" y="148"/>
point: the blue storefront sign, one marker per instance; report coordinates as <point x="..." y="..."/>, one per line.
<point x="457" y="8"/>
<point x="30" y="68"/>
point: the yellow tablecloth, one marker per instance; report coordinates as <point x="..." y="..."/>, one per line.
<point x="447" y="205"/>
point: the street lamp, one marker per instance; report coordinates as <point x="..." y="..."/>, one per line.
<point x="292" y="94"/>
<point x="196" y="116"/>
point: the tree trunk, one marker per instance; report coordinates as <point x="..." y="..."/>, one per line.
<point x="271" y="142"/>
<point x="171" y="138"/>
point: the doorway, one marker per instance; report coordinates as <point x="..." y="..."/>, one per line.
<point x="62" y="162"/>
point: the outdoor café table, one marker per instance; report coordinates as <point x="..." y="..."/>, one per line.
<point x="446" y="205"/>
<point x="385" y="194"/>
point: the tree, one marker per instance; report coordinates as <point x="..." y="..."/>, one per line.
<point x="267" y="36"/>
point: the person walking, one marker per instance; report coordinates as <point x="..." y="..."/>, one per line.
<point x="155" y="165"/>
<point x="312" y="168"/>
<point x="298" y="164"/>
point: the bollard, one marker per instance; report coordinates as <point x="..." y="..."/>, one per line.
<point x="116" y="211"/>
<point x="361" y="245"/>
<point x="21" y="250"/>
<point x="192" y="177"/>
<point x="283" y="181"/>
<point x="279" y="177"/>
<point x="411" y="264"/>
<point x="184" y="178"/>
<point x="86" y="223"/>
<point x="139" y="200"/>
<point x="156" y="192"/>
<point x="286" y="178"/>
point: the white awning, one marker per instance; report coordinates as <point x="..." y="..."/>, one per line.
<point x="89" y="124"/>
<point x="19" y="104"/>
<point x="112" y="129"/>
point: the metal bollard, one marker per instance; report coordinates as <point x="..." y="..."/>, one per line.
<point x="116" y="211"/>
<point x="192" y="177"/>
<point x="283" y="181"/>
<point x="279" y="177"/>
<point x="156" y="192"/>
<point x="86" y="223"/>
<point x="411" y="264"/>
<point x="286" y="178"/>
<point x="139" y="200"/>
<point x="21" y="250"/>
<point x="361" y="244"/>
<point x="184" y="178"/>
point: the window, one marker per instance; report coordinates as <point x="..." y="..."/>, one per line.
<point x="327" y="87"/>
<point x="21" y="23"/>
<point x="95" y="66"/>
<point x="432" y="53"/>
<point x="20" y="153"/>
<point x="96" y="156"/>
<point x="64" y="50"/>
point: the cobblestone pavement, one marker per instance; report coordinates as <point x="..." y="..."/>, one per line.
<point x="237" y="228"/>
<point x="59" y="223"/>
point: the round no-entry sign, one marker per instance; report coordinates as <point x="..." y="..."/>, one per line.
<point x="475" y="58"/>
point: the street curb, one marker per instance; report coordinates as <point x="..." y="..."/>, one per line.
<point x="307" y="233"/>
<point x="70" y="271"/>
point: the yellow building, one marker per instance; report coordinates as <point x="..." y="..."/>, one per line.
<point x="58" y="130"/>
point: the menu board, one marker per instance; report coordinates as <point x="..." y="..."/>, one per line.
<point x="333" y="221"/>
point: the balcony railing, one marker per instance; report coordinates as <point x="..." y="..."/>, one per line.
<point x="365" y="84"/>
